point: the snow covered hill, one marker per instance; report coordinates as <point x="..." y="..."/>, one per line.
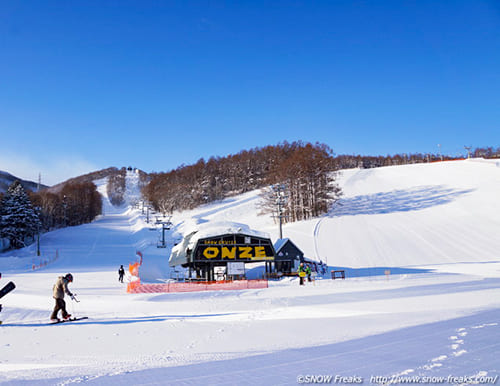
<point x="392" y="216"/>
<point x="434" y="226"/>
<point x="6" y="179"/>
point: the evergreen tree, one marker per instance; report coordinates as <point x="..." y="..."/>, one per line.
<point x="18" y="219"/>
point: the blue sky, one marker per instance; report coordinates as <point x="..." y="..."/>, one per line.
<point x="86" y="85"/>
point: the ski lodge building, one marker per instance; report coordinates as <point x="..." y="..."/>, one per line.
<point x="222" y="249"/>
<point x="288" y="256"/>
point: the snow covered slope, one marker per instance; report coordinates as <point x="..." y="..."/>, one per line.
<point x="393" y="216"/>
<point x="132" y="187"/>
<point x="435" y="226"/>
<point x="415" y="214"/>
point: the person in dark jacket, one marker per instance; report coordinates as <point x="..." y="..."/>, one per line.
<point x="121" y="273"/>
<point x="59" y="289"/>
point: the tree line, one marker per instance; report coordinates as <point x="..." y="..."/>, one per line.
<point x="305" y="170"/>
<point x="486" y="152"/>
<point x="365" y="162"/>
<point x="73" y="202"/>
<point x="23" y="215"/>
<point x="302" y="172"/>
<point x="76" y="203"/>
<point x="298" y="181"/>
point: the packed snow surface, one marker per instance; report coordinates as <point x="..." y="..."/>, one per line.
<point x="420" y="245"/>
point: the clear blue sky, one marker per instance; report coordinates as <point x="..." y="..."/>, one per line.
<point x="86" y="85"/>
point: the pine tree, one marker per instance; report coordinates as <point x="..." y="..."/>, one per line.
<point x="18" y="219"/>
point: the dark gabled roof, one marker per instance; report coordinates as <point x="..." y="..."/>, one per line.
<point x="280" y="244"/>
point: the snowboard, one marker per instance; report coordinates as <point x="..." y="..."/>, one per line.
<point x="8" y="287"/>
<point x="69" y="320"/>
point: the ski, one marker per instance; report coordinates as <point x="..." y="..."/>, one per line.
<point x="69" y="320"/>
<point x="8" y="287"/>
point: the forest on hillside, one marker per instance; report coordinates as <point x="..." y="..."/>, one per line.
<point x="366" y="162"/>
<point x="76" y="203"/>
<point x="25" y="214"/>
<point x="305" y="171"/>
<point x="298" y="182"/>
<point x="73" y="202"/>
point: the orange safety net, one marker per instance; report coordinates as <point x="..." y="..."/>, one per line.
<point x="131" y="287"/>
<point x="197" y="286"/>
<point x="134" y="269"/>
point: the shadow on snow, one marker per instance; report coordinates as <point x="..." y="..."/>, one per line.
<point x="406" y="200"/>
<point x="144" y="319"/>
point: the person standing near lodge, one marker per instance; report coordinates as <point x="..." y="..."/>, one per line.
<point x="121" y="273"/>
<point x="302" y="273"/>
<point x="59" y="289"/>
<point x="308" y="272"/>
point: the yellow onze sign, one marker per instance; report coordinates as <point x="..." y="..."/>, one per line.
<point x="250" y="252"/>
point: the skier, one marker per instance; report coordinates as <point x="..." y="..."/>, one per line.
<point x="60" y="288"/>
<point x="121" y="272"/>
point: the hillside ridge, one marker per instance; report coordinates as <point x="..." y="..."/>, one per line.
<point x="6" y="179"/>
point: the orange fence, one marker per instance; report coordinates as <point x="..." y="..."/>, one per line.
<point x="137" y="287"/>
<point x="43" y="262"/>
